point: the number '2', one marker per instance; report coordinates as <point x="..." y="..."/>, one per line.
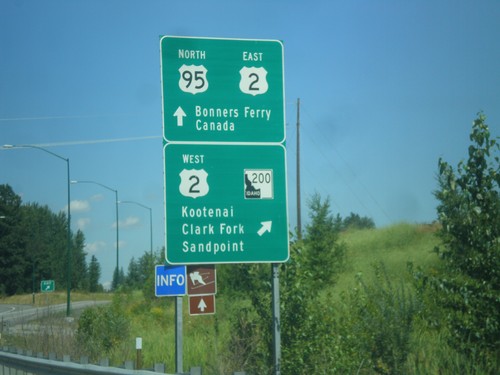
<point x="254" y="82"/>
<point x="193" y="188"/>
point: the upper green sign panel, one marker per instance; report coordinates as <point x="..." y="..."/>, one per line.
<point x="222" y="90"/>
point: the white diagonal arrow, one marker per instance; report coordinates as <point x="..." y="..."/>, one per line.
<point x="180" y="114"/>
<point x="266" y="227"/>
<point x="202" y="305"/>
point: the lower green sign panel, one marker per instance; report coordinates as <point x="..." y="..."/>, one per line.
<point x="225" y="203"/>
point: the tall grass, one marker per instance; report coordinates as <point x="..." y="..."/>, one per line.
<point x="394" y="246"/>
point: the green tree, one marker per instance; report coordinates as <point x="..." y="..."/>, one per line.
<point x="35" y="229"/>
<point x="46" y="243"/>
<point x="33" y="246"/>
<point x="324" y="254"/>
<point x="79" y="270"/>
<point x="147" y="265"/>
<point x="13" y="260"/>
<point x="94" y="275"/>
<point x="469" y="211"/>
<point x="306" y="319"/>
<point x="354" y="221"/>
<point x="139" y="270"/>
<point x="118" y="278"/>
<point x="133" y="274"/>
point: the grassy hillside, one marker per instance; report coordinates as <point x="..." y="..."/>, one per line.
<point x="394" y="245"/>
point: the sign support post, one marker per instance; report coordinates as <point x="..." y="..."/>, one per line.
<point x="178" y="335"/>
<point x="276" y="318"/>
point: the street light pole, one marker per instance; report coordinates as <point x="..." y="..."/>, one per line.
<point x="150" y="223"/>
<point x="117" y="270"/>
<point x="68" y="254"/>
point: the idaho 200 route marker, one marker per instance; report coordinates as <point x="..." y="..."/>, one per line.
<point x="224" y="153"/>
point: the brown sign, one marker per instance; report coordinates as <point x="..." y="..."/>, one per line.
<point x="202" y="305"/>
<point x="201" y="280"/>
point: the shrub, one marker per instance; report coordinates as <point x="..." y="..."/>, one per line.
<point x="378" y="324"/>
<point x="469" y="212"/>
<point x="101" y="329"/>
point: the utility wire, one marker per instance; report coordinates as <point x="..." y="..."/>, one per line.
<point x="60" y="117"/>
<point x="367" y="191"/>
<point x="96" y="141"/>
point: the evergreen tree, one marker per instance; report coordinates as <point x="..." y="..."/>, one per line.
<point x="146" y="265"/>
<point x="118" y="279"/>
<point x="46" y="243"/>
<point x="13" y="260"/>
<point x="34" y="245"/>
<point x="324" y="254"/>
<point x="79" y="270"/>
<point x="94" y="275"/>
<point x="133" y="275"/>
<point x="354" y="221"/>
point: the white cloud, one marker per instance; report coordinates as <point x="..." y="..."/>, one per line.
<point x="107" y="285"/>
<point x="94" y="247"/>
<point x="131" y="221"/>
<point x="97" y="198"/>
<point x="82" y="223"/>
<point x="80" y="206"/>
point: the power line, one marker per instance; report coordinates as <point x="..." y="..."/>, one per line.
<point x="96" y="141"/>
<point x="39" y="118"/>
<point x="367" y="191"/>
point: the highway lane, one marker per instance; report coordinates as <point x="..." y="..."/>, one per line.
<point x="6" y="308"/>
<point x="14" y="314"/>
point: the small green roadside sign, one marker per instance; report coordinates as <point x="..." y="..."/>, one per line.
<point x="47" y="286"/>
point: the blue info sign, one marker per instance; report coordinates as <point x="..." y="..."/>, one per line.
<point x="170" y="281"/>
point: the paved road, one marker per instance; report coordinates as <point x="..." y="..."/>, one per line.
<point x="14" y="314"/>
<point x="7" y="308"/>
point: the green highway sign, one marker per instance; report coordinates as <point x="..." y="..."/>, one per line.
<point x="224" y="154"/>
<point x="225" y="203"/>
<point x="47" y="286"/>
<point x="222" y="90"/>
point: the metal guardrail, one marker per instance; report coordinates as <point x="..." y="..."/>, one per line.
<point x="43" y="366"/>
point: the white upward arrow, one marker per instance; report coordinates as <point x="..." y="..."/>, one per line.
<point x="180" y="114"/>
<point x="266" y="227"/>
<point x="202" y="305"/>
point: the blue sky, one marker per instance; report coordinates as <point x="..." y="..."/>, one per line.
<point x="386" y="88"/>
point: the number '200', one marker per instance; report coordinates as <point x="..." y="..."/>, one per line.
<point x="260" y="177"/>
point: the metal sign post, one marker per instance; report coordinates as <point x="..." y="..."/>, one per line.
<point x="178" y="335"/>
<point x="276" y="318"/>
